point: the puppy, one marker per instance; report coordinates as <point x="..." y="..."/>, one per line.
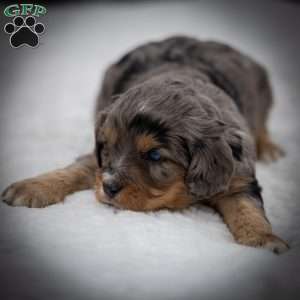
<point x="178" y="122"/>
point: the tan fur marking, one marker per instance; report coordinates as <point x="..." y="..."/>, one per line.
<point x="146" y="142"/>
<point x="98" y="186"/>
<point x="52" y="187"/>
<point x="248" y="224"/>
<point x="266" y="149"/>
<point x="243" y="218"/>
<point x="134" y="198"/>
<point x="175" y="197"/>
<point x="111" y="135"/>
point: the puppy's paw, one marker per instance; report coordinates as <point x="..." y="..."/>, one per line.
<point x="272" y="152"/>
<point x="276" y="244"/>
<point x="33" y="192"/>
<point x="267" y="150"/>
<point x="265" y="240"/>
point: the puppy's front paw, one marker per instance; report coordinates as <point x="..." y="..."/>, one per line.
<point x="34" y="192"/>
<point x="275" y="244"/>
<point x="267" y="241"/>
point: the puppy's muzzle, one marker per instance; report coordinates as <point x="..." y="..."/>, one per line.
<point x="111" y="188"/>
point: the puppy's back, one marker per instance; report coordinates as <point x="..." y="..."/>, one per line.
<point x="235" y="73"/>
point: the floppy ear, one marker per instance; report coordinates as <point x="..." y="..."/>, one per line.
<point x="211" y="163"/>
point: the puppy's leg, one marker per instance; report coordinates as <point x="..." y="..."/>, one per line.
<point x="247" y="222"/>
<point x="52" y="187"/>
<point x="266" y="149"/>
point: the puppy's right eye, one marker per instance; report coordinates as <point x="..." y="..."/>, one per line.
<point x="153" y="155"/>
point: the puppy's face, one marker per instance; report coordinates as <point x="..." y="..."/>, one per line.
<point x="139" y="170"/>
<point x="150" y="157"/>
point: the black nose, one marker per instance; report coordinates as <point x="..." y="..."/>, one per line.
<point x="111" y="188"/>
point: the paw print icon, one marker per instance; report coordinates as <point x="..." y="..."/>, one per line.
<point x="24" y="31"/>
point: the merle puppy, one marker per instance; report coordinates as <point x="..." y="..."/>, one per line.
<point x="178" y="122"/>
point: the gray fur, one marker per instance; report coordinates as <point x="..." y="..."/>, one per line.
<point x="212" y="99"/>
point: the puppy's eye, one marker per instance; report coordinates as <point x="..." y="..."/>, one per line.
<point x="153" y="155"/>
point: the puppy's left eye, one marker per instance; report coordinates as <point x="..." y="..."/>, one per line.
<point x="153" y="155"/>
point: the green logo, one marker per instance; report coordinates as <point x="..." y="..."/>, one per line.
<point x="24" y="29"/>
<point x="24" y="10"/>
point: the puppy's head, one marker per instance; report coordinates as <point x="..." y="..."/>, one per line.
<point x="158" y="146"/>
